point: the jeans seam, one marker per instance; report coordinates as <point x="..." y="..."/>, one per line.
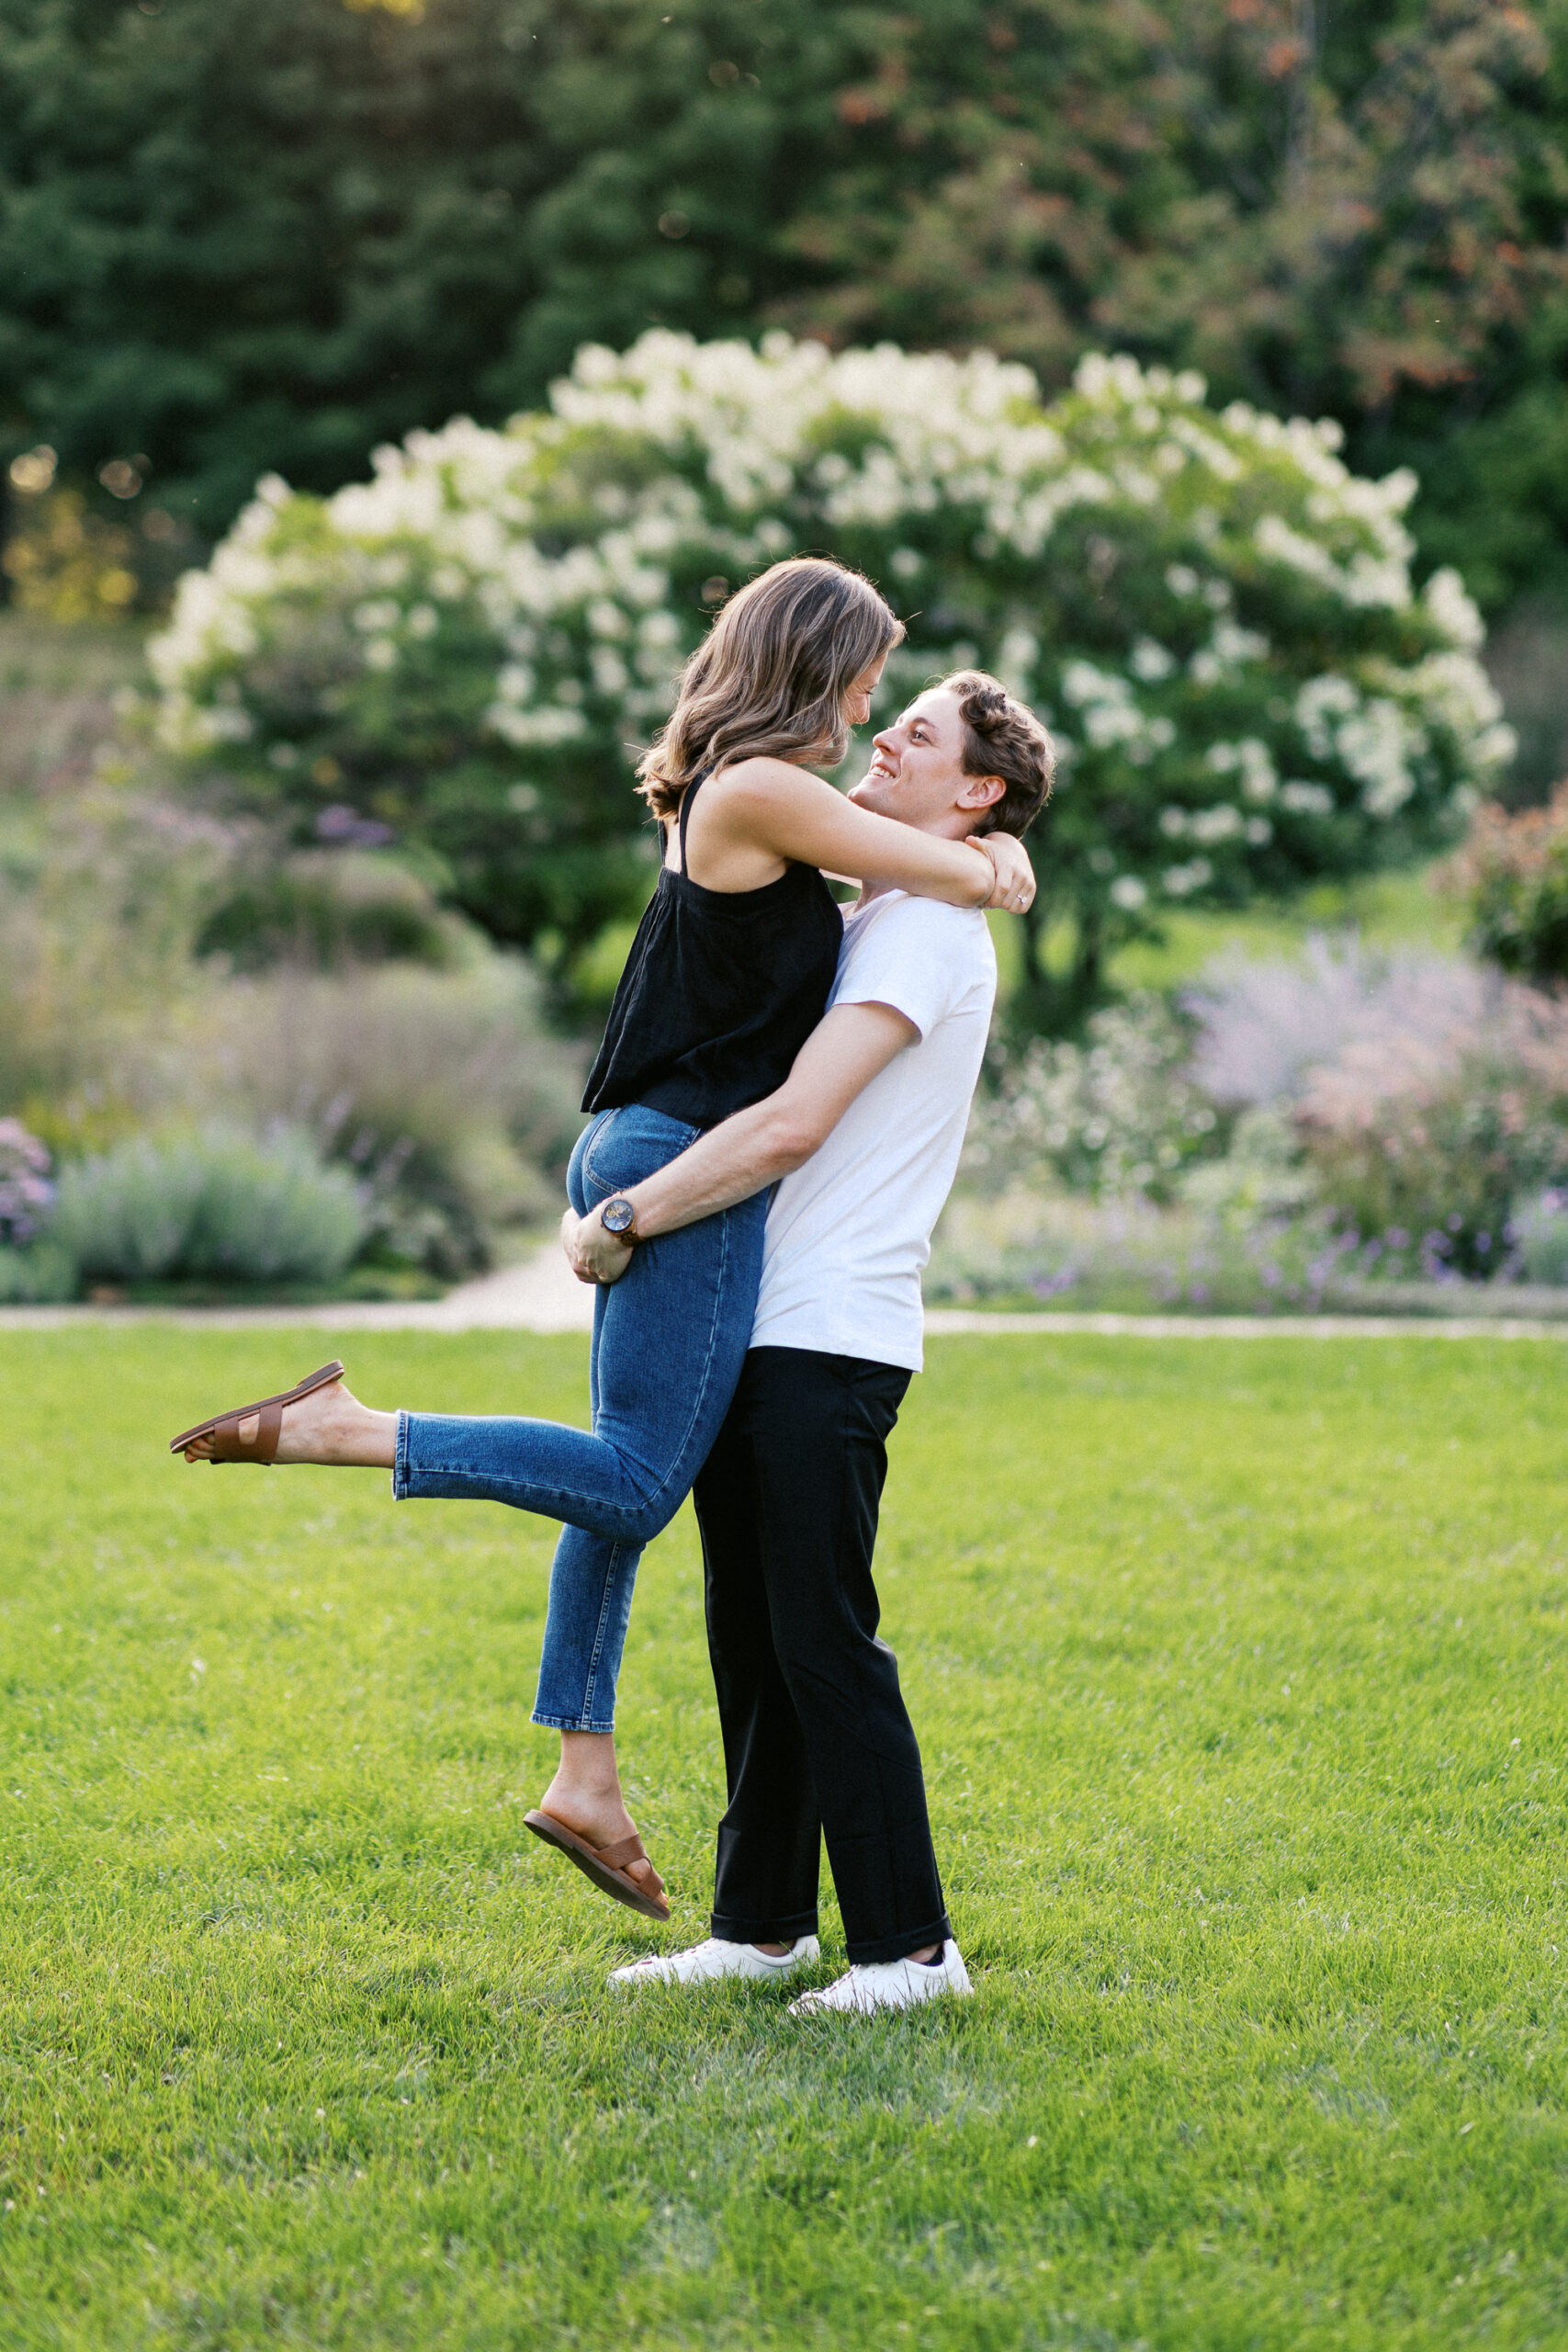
<point x="597" y="1653"/>
<point x="717" y="1325"/>
<point x="726" y="1229"/>
<point x="607" y="1118"/>
<point x="626" y="1525"/>
<point x="594" y="1132"/>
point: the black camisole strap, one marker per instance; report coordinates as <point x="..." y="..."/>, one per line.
<point x="686" y="799"/>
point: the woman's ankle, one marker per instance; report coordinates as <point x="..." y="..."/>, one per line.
<point x="588" y="1761"/>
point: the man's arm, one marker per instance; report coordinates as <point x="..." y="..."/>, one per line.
<point x="754" y="1147"/>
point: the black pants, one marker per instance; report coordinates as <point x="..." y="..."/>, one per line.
<point x="816" y="1737"/>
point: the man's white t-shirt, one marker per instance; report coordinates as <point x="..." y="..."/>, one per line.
<point x="849" y="1233"/>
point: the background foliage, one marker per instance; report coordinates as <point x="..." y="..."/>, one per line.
<point x="160" y="972"/>
<point x="245" y="235"/>
<point x="1351" y="1128"/>
<point x="1214" y="615"/>
<point x="1514" y="872"/>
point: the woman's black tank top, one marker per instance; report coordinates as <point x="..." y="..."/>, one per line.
<point x="720" y="991"/>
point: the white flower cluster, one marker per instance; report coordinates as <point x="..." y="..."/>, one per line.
<point x="1118" y="1114"/>
<point x="1149" y="572"/>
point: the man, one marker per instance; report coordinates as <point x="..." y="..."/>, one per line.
<point x="865" y="1134"/>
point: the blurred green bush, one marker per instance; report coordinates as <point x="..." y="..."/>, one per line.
<point x="217" y="1207"/>
<point x="414" y="1055"/>
<point x="1541" y="1228"/>
<point x="42" y="1274"/>
<point x="326" y="910"/>
<point x="441" y="1091"/>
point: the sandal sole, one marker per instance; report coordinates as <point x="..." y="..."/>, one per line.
<point x="609" y="1882"/>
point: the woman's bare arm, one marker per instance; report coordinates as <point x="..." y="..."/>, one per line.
<point x="784" y="811"/>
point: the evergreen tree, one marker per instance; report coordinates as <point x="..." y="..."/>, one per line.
<point x="243" y="236"/>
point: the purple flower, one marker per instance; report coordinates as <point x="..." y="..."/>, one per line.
<point x="348" y="827"/>
<point x="1050" y="1286"/>
<point x="25" y="1189"/>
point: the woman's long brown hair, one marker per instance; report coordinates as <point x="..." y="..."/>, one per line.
<point x="771" y="678"/>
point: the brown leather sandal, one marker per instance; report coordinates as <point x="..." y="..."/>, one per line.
<point x="606" y="1865"/>
<point x="224" y="1428"/>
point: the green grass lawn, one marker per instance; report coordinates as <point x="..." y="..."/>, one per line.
<point x="1238" y="1670"/>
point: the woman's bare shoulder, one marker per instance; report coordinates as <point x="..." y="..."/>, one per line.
<point x="763" y="780"/>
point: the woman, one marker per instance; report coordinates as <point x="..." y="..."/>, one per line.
<point x="729" y="975"/>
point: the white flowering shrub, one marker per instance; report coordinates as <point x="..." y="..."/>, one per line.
<point x="1115" y="1116"/>
<point x="1215" y="617"/>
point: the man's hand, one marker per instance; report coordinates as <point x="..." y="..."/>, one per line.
<point x="570" y="1223"/>
<point x="594" y="1255"/>
<point x="1015" y="876"/>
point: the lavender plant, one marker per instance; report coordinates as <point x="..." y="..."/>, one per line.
<point x="1260" y="1028"/>
<point x="214" y="1207"/>
<point x="1426" y="1148"/>
<point x="1290" y="1129"/>
<point x="1129" y="1255"/>
<point x="26" y="1191"/>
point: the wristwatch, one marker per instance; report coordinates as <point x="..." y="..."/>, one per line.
<point x="619" y="1218"/>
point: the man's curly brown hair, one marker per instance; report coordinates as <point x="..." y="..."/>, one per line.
<point x="1003" y="738"/>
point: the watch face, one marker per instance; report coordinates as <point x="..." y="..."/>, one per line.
<point x="619" y="1215"/>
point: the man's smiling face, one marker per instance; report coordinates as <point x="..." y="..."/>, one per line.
<point x="917" y="770"/>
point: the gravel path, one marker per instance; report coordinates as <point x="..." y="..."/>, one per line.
<point x="542" y="1295"/>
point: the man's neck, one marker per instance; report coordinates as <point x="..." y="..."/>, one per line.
<point x="948" y="833"/>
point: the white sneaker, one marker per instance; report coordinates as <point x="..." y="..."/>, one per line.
<point x="706" y="1963"/>
<point x="888" y="1984"/>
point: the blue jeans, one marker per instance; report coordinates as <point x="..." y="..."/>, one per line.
<point x="670" y="1340"/>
